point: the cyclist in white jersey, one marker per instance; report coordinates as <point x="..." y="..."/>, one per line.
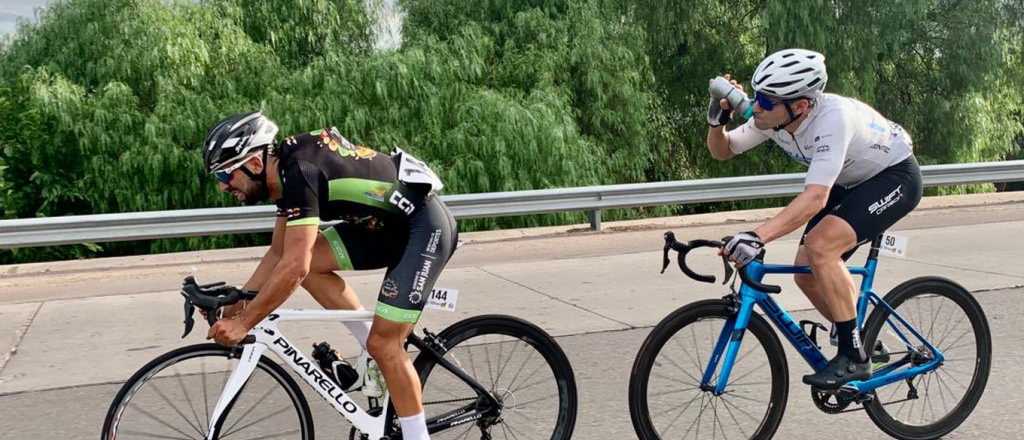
<point x="862" y="177"/>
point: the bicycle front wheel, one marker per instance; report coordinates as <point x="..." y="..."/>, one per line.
<point x="933" y="404"/>
<point x="173" y="396"/>
<point x="518" y="363"/>
<point x="666" y="399"/>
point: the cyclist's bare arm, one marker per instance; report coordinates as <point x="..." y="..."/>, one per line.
<point x="796" y="214"/>
<point x="270" y="259"/>
<point x="718" y="143"/>
<point x="286" y="276"/>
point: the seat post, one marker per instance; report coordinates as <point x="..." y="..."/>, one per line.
<point x="875" y="245"/>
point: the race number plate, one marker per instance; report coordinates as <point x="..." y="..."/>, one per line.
<point x="443" y="299"/>
<point x="893" y="245"/>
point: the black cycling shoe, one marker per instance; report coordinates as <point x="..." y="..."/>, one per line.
<point x="838" y="372"/>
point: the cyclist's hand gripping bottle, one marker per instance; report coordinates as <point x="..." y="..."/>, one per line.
<point x="721" y="88"/>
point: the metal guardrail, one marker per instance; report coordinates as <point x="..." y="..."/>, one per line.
<point x="213" y="221"/>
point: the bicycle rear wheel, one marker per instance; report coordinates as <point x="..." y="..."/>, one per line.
<point x="933" y="404"/>
<point x="665" y="396"/>
<point x="518" y="363"/>
<point x="173" y="395"/>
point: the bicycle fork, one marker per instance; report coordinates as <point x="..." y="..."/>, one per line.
<point x="728" y="344"/>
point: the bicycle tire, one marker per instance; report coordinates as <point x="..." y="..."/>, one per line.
<point x="457" y="340"/>
<point x="676" y="322"/>
<point x="139" y="380"/>
<point x="919" y="288"/>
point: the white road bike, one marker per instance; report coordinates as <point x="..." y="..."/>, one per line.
<point x="490" y="376"/>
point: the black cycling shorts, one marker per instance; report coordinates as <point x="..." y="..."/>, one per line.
<point x="876" y="204"/>
<point x="414" y="260"/>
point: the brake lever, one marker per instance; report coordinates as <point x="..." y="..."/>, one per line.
<point x="189" y="322"/>
<point x="664" y="259"/>
<point x="728" y="270"/>
<point x="670" y="238"/>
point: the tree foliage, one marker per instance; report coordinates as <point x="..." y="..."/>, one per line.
<point x="103" y="102"/>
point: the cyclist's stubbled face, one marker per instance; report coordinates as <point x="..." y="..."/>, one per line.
<point x="242" y="187"/>
<point x="766" y="119"/>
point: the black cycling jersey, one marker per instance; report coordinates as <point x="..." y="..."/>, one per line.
<point x="385" y="222"/>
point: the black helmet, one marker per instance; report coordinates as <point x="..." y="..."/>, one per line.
<point x="235" y="138"/>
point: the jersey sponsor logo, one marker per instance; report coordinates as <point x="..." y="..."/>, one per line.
<point x="292" y="213"/>
<point x="884" y="203"/>
<point x="326" y="385"/>
<point x="880" y="147"/>
<point x="435" y="238"/>
<point x="378" y="192"/>
<point x="823" y="149"/>
<point x="389" y="289"/>
<point x="419" y="282"/>
<point x="401" y="202"/>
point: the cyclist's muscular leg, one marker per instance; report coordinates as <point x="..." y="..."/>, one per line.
<point x="824" y="246"/>
<point x="386" y="345"/>
<point x="327" y="288"/>
<point x="809" y="286"/>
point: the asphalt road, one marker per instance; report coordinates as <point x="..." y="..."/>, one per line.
<point x="602" y="361"/>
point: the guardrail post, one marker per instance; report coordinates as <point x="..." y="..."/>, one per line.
<point x="595" y="219"/>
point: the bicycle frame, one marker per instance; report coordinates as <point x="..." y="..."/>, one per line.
<point x="732" y="332"/>
<point x="269" y="337"/>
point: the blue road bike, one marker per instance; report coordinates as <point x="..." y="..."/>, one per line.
<point x="700" y="375"/>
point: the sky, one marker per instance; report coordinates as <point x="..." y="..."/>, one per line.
<point x="388" y="31"/>
<point x="11" y="10"/>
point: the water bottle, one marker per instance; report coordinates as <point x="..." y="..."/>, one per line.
<point x="336" y="368"/>
<point x="721" y="88"/>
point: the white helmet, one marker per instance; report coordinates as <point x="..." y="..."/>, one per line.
<point x="235" y="137"/>
<point x="791" y="73"/>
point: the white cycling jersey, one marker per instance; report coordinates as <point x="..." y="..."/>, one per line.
<point x="843" y="141"/>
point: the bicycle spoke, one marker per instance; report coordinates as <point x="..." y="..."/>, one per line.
<point x="685" y="407"/>
<point x="157" y="419"/>
<point x="253" y="407"/>
<point x="753" y="370"/>
<point x="725" y="404"/>
<point x="167" y="400"/>
<point x="744" y="398"/>
<point x="950" y="389"/>
<point x="191" y="406"/>
<point x="696" y="422"/>
<point x="954" y="380"/>
<point x="472" y="363"/>
<point x="696" y="362"/>
<point x="206" y="398"/>
<point x="665" y="393"/>
<point x="959" y="338"/>
<point x="531" y="374"/>
<point x="678" y="381"/>
<point x="951" y="328"/>
<point x="751" y="383"/>
<point x="524" y="404"/>
<point x="515" y="347"/>
<point x="150" y="435"/>
<point x="520" y="371"/>
<point x="513" y="431"/>
<point x="490" y="372"/>
<point x="262" y="437"/>
<point x="531" y="385"/>
<point x="680" y="368"/>
<point x="261" y="419"/>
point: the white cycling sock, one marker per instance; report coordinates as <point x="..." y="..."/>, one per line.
<point x="414" y="427"/>
<point x="359" y="329"/>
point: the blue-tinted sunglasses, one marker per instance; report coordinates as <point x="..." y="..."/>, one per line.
<point x="224" y="175"/>
<point x="765" y="102"/>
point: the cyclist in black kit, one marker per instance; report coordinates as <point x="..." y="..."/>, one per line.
<point x="390" y="217"/>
